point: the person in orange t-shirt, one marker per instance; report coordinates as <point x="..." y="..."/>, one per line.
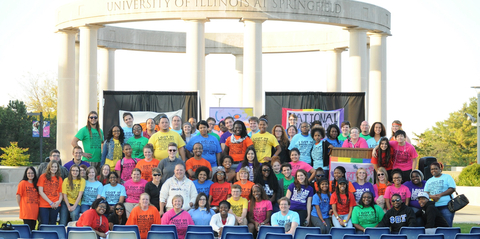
<point x="144" y="215"/>
<point x="95" y="217"/>
<point x="338" y="173"/>
<point x="50" y="190"/>
<point x="197" y="161"/>
<point x="237" y="144"/>
<point x="244" y="183"/>
<point x="148" y="163"/>
<point x="28" y="198"/>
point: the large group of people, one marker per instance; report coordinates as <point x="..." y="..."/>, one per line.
<point x="192" y="176"/>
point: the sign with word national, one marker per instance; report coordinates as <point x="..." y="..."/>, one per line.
<point x="309" y="115"/>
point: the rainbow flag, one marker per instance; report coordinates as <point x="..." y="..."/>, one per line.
<point x="349" y="160"/>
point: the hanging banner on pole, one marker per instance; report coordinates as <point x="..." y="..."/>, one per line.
<point x="309" y="115"/>
<point x="36" y="129"/>
<point x="238" y="113"/>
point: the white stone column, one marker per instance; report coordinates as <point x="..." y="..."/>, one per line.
<point x="107" y="75"/>
<point x="77" y="64"/>
<point x="87" y="89"/>
<point x="334" y="70"/>
<point x="66" y="91"/>
<point x="239" y="85"/>
<point x="195" y="50"/>
<point x="378" y="78"/>
<point x="358" y="61"/>
<point x="252" y="65"/>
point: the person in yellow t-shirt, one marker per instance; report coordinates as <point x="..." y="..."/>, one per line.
<point x="72" y="190"/>
<point x="239" y="206"/>
<point x="264" y="141"/>
<point x="162" y="138"/>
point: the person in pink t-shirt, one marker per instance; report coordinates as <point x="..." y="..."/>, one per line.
<point x="355" y="141"/>
<point x="397" y="188"/>
<point x="125" y="166"/>
<point x="259" y="209"/>
<point x="134" y="187"/>
<point x="178" y="217"/>
<point x="404" y="154"/>
<point x="297" y="164"/>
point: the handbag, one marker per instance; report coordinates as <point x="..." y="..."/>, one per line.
<point x="457" y="203"/>
<point x="7" y="226"/>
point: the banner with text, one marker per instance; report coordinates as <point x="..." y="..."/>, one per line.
<point x="351" y="166"/>
<point x="36" y="129"/>
<point x="140" y="117"/>
<point x="309" y="115"/>
<point x="238" y="113"/>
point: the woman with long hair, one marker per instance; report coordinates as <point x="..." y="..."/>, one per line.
<point x="250" y="161"/>
<point x="259" y="209"/>
<point x="201" y="212"/>
<point x="342" y="202"/>
<point x="377" y="131"/>
<point x="320" y="150"/>
<point x="265" y="177"/>
<point x="380" y="186"/>
<point x="338" y="173"/>
<point x="117" y="217"/>
<point x="384" y="157"/>
<point x="103" y="175"/>
<point x="144" y="215"/>
<point x="362" y="185"/>
<point x="279" y="132"/>
<point x="220" y="189"/>
<point x="50" y="190"/>
<point x="28" y="197"/>
<point x="297" y="164"/>
<point x="186" y="132"/>
<point x="72" y="189"/>
<point x="367" y="213"/>
<point x="93" y="189"/>
<point x="321" y="202"/>
<point x="300" y="195"/>
<point x="113" y="147"/>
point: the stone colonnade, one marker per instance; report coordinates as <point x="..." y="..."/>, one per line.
<point x="248" y="67"/>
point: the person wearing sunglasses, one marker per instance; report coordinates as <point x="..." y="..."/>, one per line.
<point x="92" y="138"/>
<point x="167" y="165"/>
<point x="118" y="217"/>
<point x="398" y="216"/>
<point x="153" y="188"/>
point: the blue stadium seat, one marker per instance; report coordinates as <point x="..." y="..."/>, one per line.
<point x="475" y="230"/>
<point x="301" y="232"/>
<point x="271" y="235"/>
<point x="233" y="229"/>
<point x="467" y="236"/>
<point x="23" y="229"/>
<point x="393" y="236"/>
<point x="73" y="234"/>
<point x="126" y="228"/>
<point x="60" y="229"/>
<point x="164" y="228"/>
<point x="430" y="236"/>
<point x="45" y="234"/>
<point x="199" y="235"/>
<point x="263" y="230"/>
<point x="356" y="236"/>
<point x="199" y="228"/>
<point x="161" y="235"/>
<point x="338" y="232"/>
<point x="376" y="232"/>
<point x="9" y="234"/>
<point x="237" y="235"/>
<point x="448" y="232"/>
<point x="76" y="229"/>
<point x="412" y="232"/>
<point x="318" y="236"/>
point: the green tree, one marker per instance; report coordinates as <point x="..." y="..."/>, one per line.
<point x="14" y="156"/>
<point x="452" y="141"/>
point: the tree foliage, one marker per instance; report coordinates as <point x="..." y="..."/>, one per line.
<point x="14" y="156"/>
<point x="16" y="126"/>
<point x="470" y="176"/>
<point x="41" y="93"/>
<point x="452" y="141"/>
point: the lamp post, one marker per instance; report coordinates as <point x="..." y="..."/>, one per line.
<point x="219" y="96"/>
<point x="477" y="89"/>
<point x="40" y="132"/>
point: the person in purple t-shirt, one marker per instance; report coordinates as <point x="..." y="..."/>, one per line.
<point x="300" y="195"/>
<point x="229" y="124"/>
<point x="416" y="186"/>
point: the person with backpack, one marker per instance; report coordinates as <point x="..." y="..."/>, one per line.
<point x="125" y="166"/>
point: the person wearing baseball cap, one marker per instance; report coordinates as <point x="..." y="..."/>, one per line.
<point x="430" y="214"/>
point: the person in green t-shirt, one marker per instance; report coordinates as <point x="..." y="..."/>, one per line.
<point x="137" y="142"/>
<point x="92" y="138"/>
<point x="367" y="213"/>
<point x="287" y="177"/>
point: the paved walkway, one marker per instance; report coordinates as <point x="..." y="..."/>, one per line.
<point x="9" y="211"/>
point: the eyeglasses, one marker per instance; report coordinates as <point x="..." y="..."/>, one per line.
<point x="397" y="200"/>
<point x="115" y="131"/>
<point x="172" y="150"/>
<point x="380" y="174"/>
<point x="119" y="209"/>
<point x="320" y="175"/>
<point x="397" y="178"/>
<point x="202" y="199"/>
<point x="93" y="117"/>
<point x="157" y="174"/>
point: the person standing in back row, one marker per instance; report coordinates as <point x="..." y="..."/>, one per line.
<point x="92" y="138"/>
<point x="162" y="138"/>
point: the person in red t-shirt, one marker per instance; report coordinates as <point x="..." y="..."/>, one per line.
<point x="383" y="157"/>
<point x="220" y="190"/>
<point x="342" y="203"/>
<point x="95" y="218"/>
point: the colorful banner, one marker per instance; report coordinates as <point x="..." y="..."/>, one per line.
<point x="36" y="129"/>
<point x="238" y="113"/>
<point x="309" y="115"/>
<point x="351" y="165"/>
<point x="140" y="117"/>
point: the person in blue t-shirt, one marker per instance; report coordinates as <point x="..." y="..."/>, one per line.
<point x="285" y="218"/>
<point x="304" y="143"/>
<point x="202" y="183"/>
<point x="321" y="207"/>
<point x="211" y="147"/>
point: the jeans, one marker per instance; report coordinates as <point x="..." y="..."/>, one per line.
<point x="48" y="215"/>
<point x="420" y="222"/>
<point x="343" y="217"/>
<point x="447" y="214"/>
<point x="316" y="222"/>
<point x="65" y="214"/>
